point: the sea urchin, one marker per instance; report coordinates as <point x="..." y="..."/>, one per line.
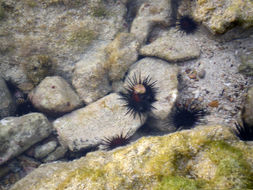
<point x="115" y="141"/>
<point x="187" y="24"/>
<point x="140" y="95"/>
<point x="186" y="116"/>
<point x="244" y="132"/>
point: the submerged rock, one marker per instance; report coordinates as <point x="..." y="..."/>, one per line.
<point x="88" y="126"/>
<point x="122" y="52"/>
<point x="172" y="48"/>
<point x="7" y="104"/>
<point x="149" y="14"/>
<point x="54" y="96"/>
<point x="165" y="75"/>
<point x="208" y="157"/>
<point x="247" y="113"/>
<point x="17" y="134"/>
<point x="219" y="16"/>
<point x="246" y="66"/>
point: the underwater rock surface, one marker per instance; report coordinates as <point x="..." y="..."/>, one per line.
<point x="207" y="157"/>
<point x="54" y="96"/>
<point x="247" y="113"/>
<point x="17" y="134"/>
<point x="172" y="48"/>
<point x="219" y="16"/>
<point x="86" y="127"/>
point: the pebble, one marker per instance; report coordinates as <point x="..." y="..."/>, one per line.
<point x="202" y="73"/>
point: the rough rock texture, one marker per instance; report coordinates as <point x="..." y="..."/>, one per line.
<point x="247" y="113"/>
<point x="87" y="126"/>
<point x="203" y="158"/>
<point x="165" y="75"/>
<point x="58" y="153"/>
<point x="219" y="16"/>
<point x="149" y="14"/>
<point x="246" y="66"/>
<point x="54" y="96"/>
<point x="43" y="150"/>
<point x="90" y="77"/>
<point x="7" y="105"/>
<point x="172" y="48"/>
<point x="61" y="29"/>
<point x="17" y="134"/>
<point x="122" y="52"/>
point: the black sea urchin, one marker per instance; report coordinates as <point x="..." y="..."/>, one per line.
<point x="139" y="96"/>
<point x="244" y="132"/>
<point x="186" y="116"/>
<point x="115" y="141"/>
<point x="187" y="24"/>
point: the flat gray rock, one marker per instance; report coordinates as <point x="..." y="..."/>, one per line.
<point x="172" y="48"/>
<point x="17" y="134"/>
<point x="87" y="126"/>
<point x="165" y="75"/>
<point x="54" y="96"/>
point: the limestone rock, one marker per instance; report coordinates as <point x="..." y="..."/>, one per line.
<point x="122" y="52"/>
<point x="172" y="48"/>
<point x="207" y="157"/>
<point x="246" y="66"/>
<point x="86" y="127"/>
<point x="43" y="150"/>
<point x="90" y="77"/>
<point x="247" y="113"/>
<point x="54" y="96"/>
<point x="219" y="16"/>
<point x="7" y="105"/>
<point x="149" y="14"/>
<point x="17" y="134"/>
<point x="165" y="75"/>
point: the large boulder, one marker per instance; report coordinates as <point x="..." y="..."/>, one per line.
<point x="208" y="157"/>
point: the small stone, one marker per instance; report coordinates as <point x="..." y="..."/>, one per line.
<point x="193" y="75"/>
<point x="54" y="96"/>
<point x="43" y="150"/>
<point x="214" y="104"/>
<point x="247" y="113"/>
<point x="202" y="73"/>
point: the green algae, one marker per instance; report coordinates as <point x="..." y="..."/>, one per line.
<point x="179" y="183"/>
<point x="99" y="11"/>
<point x="233" y="171"/>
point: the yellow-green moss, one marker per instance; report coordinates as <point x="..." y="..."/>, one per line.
<point x="179" y="183"/>
<point x="38" y="67"/>
<point x="82" y="37"/>
<point x="233" y="171"/>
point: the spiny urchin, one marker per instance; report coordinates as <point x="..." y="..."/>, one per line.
<point x="139" y="96"/>
<point x="187" y="24"/>
<point x="186" y="116"/>
<point x="115" y="141"/>
<point x="244" y="132"/>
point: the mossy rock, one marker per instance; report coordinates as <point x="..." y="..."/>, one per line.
<point x="2" y="12"/>
<point x="202" y="158"/>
